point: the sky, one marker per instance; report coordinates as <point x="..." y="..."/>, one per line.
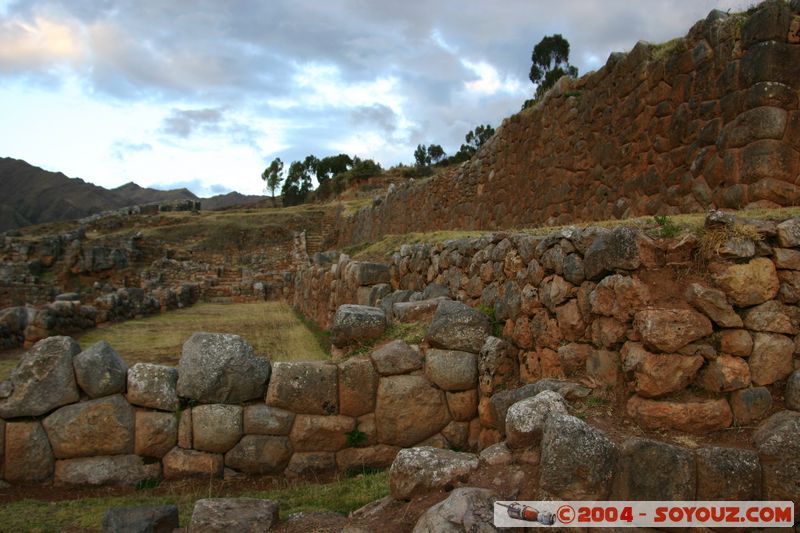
<point x="204" y="94"/>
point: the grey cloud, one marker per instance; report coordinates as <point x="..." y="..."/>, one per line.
<point x="185" y="122"/>
<point x="121" y="148"/>
<point x="378" y="115"/>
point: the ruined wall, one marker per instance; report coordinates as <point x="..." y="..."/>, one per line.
<point x="708" y="121"/>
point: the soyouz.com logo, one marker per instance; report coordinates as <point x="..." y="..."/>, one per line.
<point x="657" y="514"/>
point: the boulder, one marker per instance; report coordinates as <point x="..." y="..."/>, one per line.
<point x="771" y="360"/>
<point x="497" y="365"/>
<point x="577" y="460"/>
<point x="456" y="326"/>
<point x="617" y="249"/>
<point x="736" y="342"/>
<point x="668" y="330"/>
<point x="749" y="283"/>
<point x="691" y="416"/>
<point x="153" y="386"/>
<point x="180" y="463"/>
<point x="525" y="419"/>
<point x="787" y="258"/>
<point x="465" y="509"/>
<point x="396" y="357"/>
<point x="260" y="419"/>
<point x="501" y="401"/>
<point x="791" y="395"/>
<point x="728" y="474"/>
<point x="107" y="470"/>
<point x="100" y="371"/>
<point x="603" y="366"/>
<point x="155" y="433"/>
<point x="771" y="316"/>
<point x="221" y="368"/>
<point x="421" y="311"/>
<point x="369" y="273"/>
<point x="104" y="426"/>
<point x="658" y="374"/>
<point x="750" y="405"/>
<point x="714" y="305"/>
<point x="28" y="455"/>
<point x="463" y="405"/>
<point x="724" y="374"/>
<point x="619" y="297"/>
<point x="358" y="384"/>
<point x="418" y="471"/>
<point x="161" y="519"/>
<point x="409" y="410"/>
<point x="43" y="380"/>
<point x="308" y="387"/>
<point x="356" y="324"/>
<point x="358" y="460"/>
<point x="312" y="433"/>
<point x="779" y="453"/>
<point x="553" y="291"/>
<point x="652" y="470"/>
<point x="224" y="515"/>
<point x="260" y="454"/>
<point x="789" y="233"/>
<point x="216" y="427"/>
<point x="496" y="455"/>
<point x="452" y="370"/>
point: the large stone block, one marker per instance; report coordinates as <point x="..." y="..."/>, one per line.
<point x="456" y="326"/>
<point x="418" y="471"/>
<point x="321" y="433"/>
<point x="452" y="370"/>
<point x="497" y="365"/>
<point x="358" y="460"/>
<point x="104" y="426"/>
<point x="668" y="330"/>
<point x="260" y="454"/>
<point x="525" y="419"/>
<point x="216" y="427"/>
<point x="221" y="368"/>
<point x="409" y="409"/>
<point x="463" y="405"/>
<point x="396" y="357"/>
<point x="370" y="273"/>
<point x="180" y="463"/>
<point x="692" y="416"/>
<point x="651" y="470"/>
<point x="358" y="384"/>
<point x="155" y="434"/>
<point x="353" y="324"/>
<point x="465" y="509"/>
<point x="779" y="452"/>
<point x="747" y="284"/>
<point x="100" y="371"/>
<point x="617" y="249"/>
<point x="153" y="386"/>
<point x="304" y="387"/>
<point x="750" y="405"/>
<point x="771" y="317"/>
<point x="658" y="374"/>
<point x="107" y="470"/>
<point x="725" y="373"/>
<point x="771" y="360"/>
<point x="225" y="515"/>
<point x="28" y="455"/>
<point x="161" y="519"/>
<point x="713" y="303"/>
<point x="43" y="380"/>
<point x="262" y="419"/>
<point x="728" y="474"/>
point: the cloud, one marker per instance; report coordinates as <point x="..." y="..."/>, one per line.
<point x="184" y="122"/>
<point x="120" y="149"/>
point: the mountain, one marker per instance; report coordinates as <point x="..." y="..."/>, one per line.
<point x="231" y="199"/>
<point x="136" y="195"/>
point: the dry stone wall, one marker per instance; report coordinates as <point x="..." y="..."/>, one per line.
<point x="710" y="120"/>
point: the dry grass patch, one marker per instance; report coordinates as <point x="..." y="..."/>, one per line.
<point x="712" y="239"/>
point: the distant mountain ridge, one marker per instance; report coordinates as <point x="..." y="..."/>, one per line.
<point x="31" y="195"/>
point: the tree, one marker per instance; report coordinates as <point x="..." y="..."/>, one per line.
<point x="550" y="60"/>
<point x="298" y="182"/>
<point x="330" y="166"/>
<point x="435" y="153"/>
<point x="272" y="176"/>
<point x="474" y="140"/>
<point x="421" y="157"/>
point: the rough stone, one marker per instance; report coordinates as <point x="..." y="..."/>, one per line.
<point x="108" y="470"/>
<point x="604" y="367"/>
<point x="724" y="374"/>
<point x="669" y="330"/>
<point x="619" y="297"/>
<point x="463" y="405"/>
<point x="791" y="395"/>
<point x="153" y="386"/>
<point x="180" y="463"/>
<point x="573" y="357"/>
<point x="260" y="454"/>
<point x="359" y="460"/>
<point x="651" y="470"/>
<point x="100" y="371"/>
<point x="465" y="509"/>
<point x="497" y="365"/>
<point x="418" y="471"/>
<point x="262" y="419"/>
<point x="155" y="433"/>
<point x="525" y="419"/>
<point x="221" y="368"/>
<point x="787" y="258"/>
<point x="779" y="453"/>
<point x="452" y="370"/>
<point x="357" y="323"/>
<point x="185" y="428"/>
<point x="456" y="326"/>
<point x="728" y="474"/>
<point x="617" y="249"/>
<point x="358" y="383"/>
<point x="577" y="461"/>
<point x="104" y="426"/>
<point x="607" y="332"/>
<point x="216" y="428"/>
<point x="369" y="273"/>
<point x="750" y="405"/>
<point x="789" y="233"/>
<point x="714" y="305"/>
<point x="307" y="387"/>
<point x="772" y="316"/>
<point x="501" y="401"/>
<point x="28" y="456"/>
<point x="749" y="283"/>
<point x="161" y="519"/>
<point x="320" y="433"/>
<point x="737" y="342"/>
<point x="224" y="515"/>
<point x="658" y="374"/>
<point x="415" y="312"/>
<point x="43" y="380"/>
<point x="496" y="455"/>
<point x="311" y="465"/>
<point x="409" y="410"/>
<point x="771" y="360"/>
<point x="554" y="291"/>
<point x="691" y="416"/>
<point x="396" y="357"/>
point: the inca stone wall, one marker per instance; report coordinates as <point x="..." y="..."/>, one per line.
<point x="709" y="121"/>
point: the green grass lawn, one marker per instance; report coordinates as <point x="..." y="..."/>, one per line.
<point x="272" y="328"/>
<point x="86" y="514"/>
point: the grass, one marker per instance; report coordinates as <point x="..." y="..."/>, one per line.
<point x="272" y="328"/>
<point x="411" y="333"/>
<point x="86" y="514"/>
<point x="712" y="239"/>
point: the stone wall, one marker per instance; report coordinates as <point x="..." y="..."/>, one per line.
<point x="710" y="120"/>
<point x="689" y="333"/>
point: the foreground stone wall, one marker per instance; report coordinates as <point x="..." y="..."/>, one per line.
<point x="711" y="120"/>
